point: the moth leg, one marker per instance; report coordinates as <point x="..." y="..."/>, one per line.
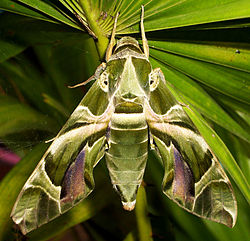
<point x="155" y="77"/>
<point x="95" y="76"/>
<point x="112" y="40"/>
<point x="183" y="104"/>
<point x="144" y="40"/>
<point x="157" y="73"/>
<point x="50" y="140"/>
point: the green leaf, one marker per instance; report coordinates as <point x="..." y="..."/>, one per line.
<point x="143" y="221"/>
<point x="17" y="118"/>
<point x="68" y="63"/>
<point x="238" y="148"/>
<point x="74" y="7"/>
<point x="19" y="8"/>
<point x="10" y="48"/>
<point x="236" y="56"/>
<point x="32" y="31"/>
<point x="237" y="106"/>
<point x="51" y="10"/>
<point x="20" y="75"/>
<point x="55" y="104"/>
<point x="171" y="14"/>
<point x="130" y="237"/>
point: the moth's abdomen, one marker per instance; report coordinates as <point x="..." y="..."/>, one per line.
<point x="127" y="154"/>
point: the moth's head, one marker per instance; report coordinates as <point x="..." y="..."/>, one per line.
<point x="126" y="77"/>
<point x="127" y="42"/>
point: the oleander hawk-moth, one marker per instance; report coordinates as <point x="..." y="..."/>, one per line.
<point x="126" y="112"/>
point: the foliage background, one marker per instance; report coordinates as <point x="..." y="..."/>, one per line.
<point x="203" y="48"/>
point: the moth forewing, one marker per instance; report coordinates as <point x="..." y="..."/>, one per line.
<point x="64" y="176"/>
<point x="193" y="176"/>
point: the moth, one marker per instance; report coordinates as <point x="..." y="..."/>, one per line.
<point x="127" y="111"/>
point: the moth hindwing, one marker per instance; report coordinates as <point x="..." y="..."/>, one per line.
<point x="128" y="100"/>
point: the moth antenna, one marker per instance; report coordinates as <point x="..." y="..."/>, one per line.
<point x="112" y="40"/>
<point x="50" y="140"/>
<point x="143" y="36"/>
<point x="95" y="76"/>
<point x="83" y="83"/>
<point x="183" y="104"/>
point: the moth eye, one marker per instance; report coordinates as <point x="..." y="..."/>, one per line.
<point x="153" y="81"/>
<point x="104" y="82"/>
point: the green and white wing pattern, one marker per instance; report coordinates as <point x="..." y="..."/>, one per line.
<point x="193" y="178"/>
<point x="64" y="176"/>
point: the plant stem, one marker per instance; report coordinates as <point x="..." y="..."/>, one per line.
<point x="143" y="221"/>
<point x="92" y="14"/>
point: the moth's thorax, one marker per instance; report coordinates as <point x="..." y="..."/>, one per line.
<point x="127" y="42"/>
<point x="131" y="89"/>
<point x="129" y="83"/>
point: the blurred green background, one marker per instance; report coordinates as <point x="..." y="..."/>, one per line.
<point x="203" y="48"/>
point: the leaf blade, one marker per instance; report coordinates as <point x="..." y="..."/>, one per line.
<point x="171" y="14"/>
<point x="52" y="11"/>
